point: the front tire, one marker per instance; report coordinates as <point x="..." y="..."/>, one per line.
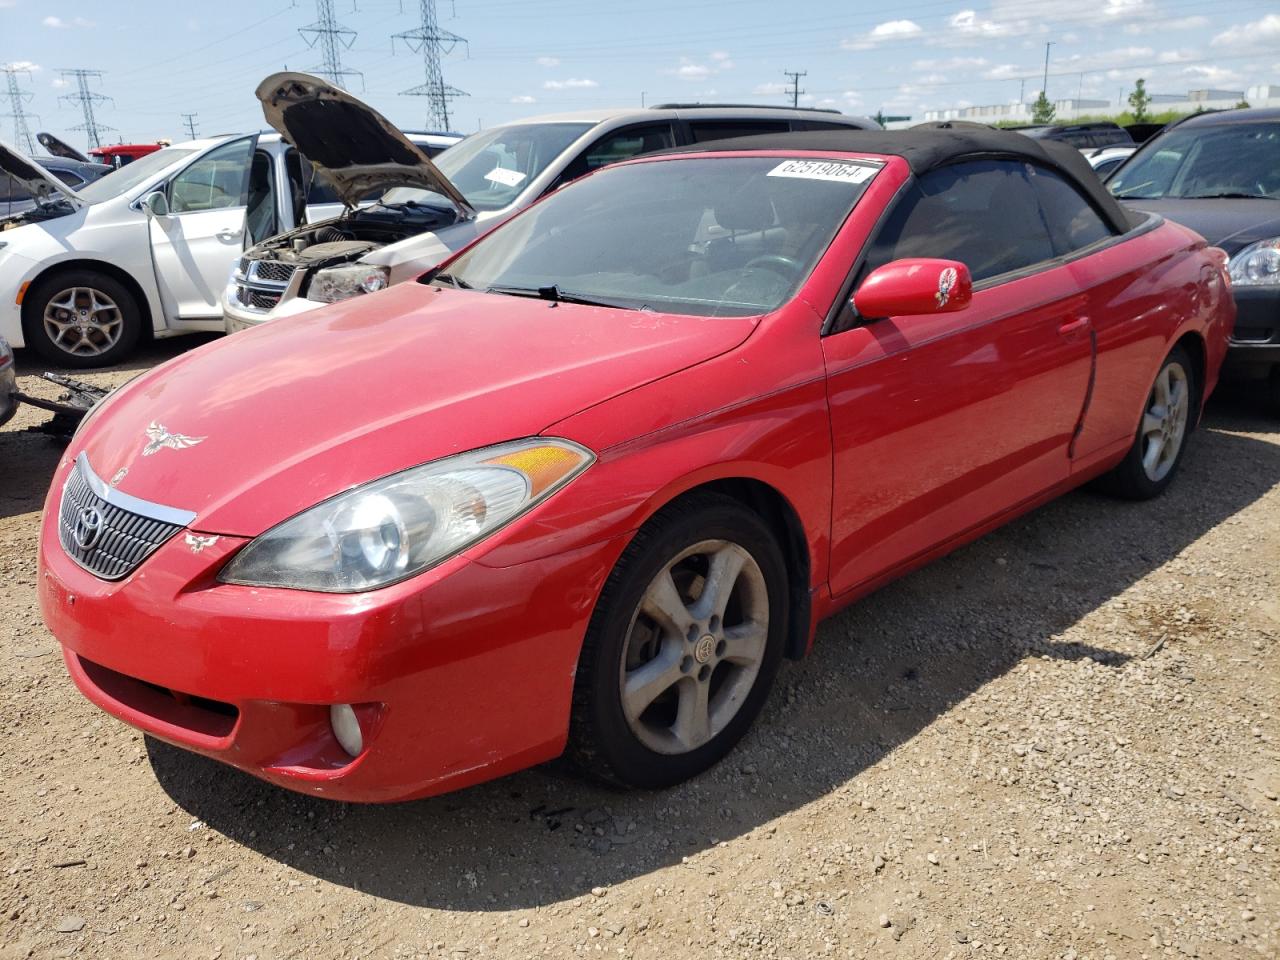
<point x="81" y="319"/>
<point x="683" y="646"/>
<point x="1167" y="419"/>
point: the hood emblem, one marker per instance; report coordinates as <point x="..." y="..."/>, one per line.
<point x="88" y="528"/>
<point x="946" y="283"/>
<point x="119" y="475"/>
<point x="197" y="543"/>
<point x="158" y="438"/>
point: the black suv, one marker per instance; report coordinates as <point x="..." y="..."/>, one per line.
<point x="1219" y="174"/>
<point x="1082" y="136"/>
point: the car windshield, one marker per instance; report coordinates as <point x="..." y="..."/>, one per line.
<point x="130" y="175"/>
<point x="1230" y="160"/>
<point x="491" y="168"/>
<point x="706" y="236"/>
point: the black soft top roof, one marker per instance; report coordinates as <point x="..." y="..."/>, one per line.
<point x="925" y="149"/>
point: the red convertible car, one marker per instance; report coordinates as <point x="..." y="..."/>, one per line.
<point x="583" y="488"/>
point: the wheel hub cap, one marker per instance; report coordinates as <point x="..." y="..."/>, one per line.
<point x="694" y="647"/>
<point x="704" y="648"/>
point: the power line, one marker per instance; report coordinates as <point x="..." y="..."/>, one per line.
<point x="21" y="132"/>
<point x="189" y="121"/>
<point x="433" y="43"/>
<point x="331" y="38"/>
<point x="87" y="98"/>
<point x="795" y="76"/>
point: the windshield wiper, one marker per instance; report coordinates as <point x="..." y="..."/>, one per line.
<point x="1227" y="195"/>
<point x="556" y="295"/>
<point x="453" y="281"/>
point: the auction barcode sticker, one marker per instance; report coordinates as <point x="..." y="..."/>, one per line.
<point x="840" y="171"/>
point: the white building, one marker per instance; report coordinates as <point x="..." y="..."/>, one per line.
<point x="1064" y="111"/>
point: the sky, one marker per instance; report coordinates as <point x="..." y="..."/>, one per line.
<point x="529" y="57"/>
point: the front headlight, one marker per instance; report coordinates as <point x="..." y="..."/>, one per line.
<point x="349" y="280"/>
<point x="396" y="527"/>
<point x="1257" y="265"/>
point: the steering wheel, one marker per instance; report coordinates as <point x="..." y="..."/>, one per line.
<point x="777" y="263"/>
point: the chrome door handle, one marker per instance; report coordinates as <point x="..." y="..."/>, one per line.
<point x="1069" y="328"/>
<point x="228" y="235"/>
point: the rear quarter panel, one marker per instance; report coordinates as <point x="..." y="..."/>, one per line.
<point x="1146" y="293"/>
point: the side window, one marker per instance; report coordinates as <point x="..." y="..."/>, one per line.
<point x="982" y="213"/>
<point x="214" y="182"/>
<point x="622" y="144"/>
<point x="1072" y="221"/>
<point x="704" y="130"/>
<point x="72" y="180"/>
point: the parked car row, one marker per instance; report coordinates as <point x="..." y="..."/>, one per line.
<point x="583" y="486"/>
<point x="148" y="251"/>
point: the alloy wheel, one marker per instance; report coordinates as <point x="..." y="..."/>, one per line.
<point x="694" y="647"/>
<point x="83" y="321"/>
<point x="1164" y="424"/>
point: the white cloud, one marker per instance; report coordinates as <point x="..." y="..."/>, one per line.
<point x="58" y="83"/>
<point x="571" y="84"/>
<point x="524" y="98"/>
<point x="57" y="23"/>
<point x="770" y="89"/>
<point x="690" y="69"/>
<point x="951" y="63"/>
<point x="548" y="61"/>
<point x="883" y="33"/>
<point x="1005" y="71"/>
<point x="26" y="65"/>
<point x="1212" y="76"/>
<point x="1176" y="56"/>
<point x="1264" y="33"/>
<point x="1177" y="23"/>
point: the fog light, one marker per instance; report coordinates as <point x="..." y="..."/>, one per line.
<point x="346" y="728"/>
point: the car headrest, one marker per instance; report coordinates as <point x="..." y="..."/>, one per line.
<point x="745" y="210"/>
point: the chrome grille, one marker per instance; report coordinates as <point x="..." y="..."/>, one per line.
<point x="117" y="531"/>
<point x="270" y="270"/>
<point x="257" y="299"/>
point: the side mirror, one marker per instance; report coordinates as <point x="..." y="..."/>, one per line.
<point x="914" y="286"/>
<point x="156" y="204"/>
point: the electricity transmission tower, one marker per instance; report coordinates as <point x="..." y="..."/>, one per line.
<point x="189" y="121"/>
<point x="795" y="76"/>
<point x="21" y="132"/>
<point x="432" y="43"/>
<point x="331" y="37"/>
<point x="87" y="98"/>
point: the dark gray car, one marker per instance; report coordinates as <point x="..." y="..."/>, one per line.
<point x="1219" y="174"/>
<point x="16" y="198"/>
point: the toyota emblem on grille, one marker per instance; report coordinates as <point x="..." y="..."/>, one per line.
<point x="88" y="528"/>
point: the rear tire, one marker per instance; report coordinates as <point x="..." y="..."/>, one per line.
<point x="81" y="319"/>
<point x="683" y="646"/>
<point x="1168" y="417"/>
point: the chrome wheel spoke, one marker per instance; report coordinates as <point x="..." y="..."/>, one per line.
<point x="693" y="715"/>
<point x="1153" y="421"/>
<point x="722" y="575"/>
<point x="1151" y="460"/>
<point x="1162" y="387"/>
<point x="92" y="317"/>
<point x="745" y="643"/>
<point x="662" y="604"/>
<point x="646" y="683"/>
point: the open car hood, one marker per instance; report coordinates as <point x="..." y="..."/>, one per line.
<point x="43" y="187"/>
<point x="60" y="148"/>
<point x="352" y="146"/>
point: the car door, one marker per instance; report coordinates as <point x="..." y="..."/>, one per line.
<point x="196" y="244"/>
<point x="942" y="422"/>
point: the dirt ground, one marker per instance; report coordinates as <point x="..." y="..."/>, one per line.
<point x="1059" y="742"/>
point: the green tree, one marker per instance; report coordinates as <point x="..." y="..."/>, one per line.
<point x="1139" y="100"/>
<point x="1242" y="105"/>
<point x="1042" y="110"/>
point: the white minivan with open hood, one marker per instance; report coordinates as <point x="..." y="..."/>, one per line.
<point x="406" y="213"/>
<point x="145" y="250"/>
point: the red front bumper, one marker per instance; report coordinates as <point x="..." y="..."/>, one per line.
<point x="460" y="675"/>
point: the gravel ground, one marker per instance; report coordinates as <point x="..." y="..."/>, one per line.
<point x="1058" y="742"/>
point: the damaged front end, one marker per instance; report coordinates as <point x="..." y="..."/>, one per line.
<point x="319" y="262"/>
